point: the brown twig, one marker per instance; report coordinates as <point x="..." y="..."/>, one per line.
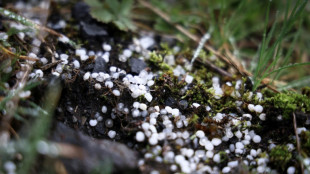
<point x="297" y="142"/>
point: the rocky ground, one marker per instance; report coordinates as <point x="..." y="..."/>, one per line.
<point x="88" y="97"/>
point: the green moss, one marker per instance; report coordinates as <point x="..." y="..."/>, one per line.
<point x="157" y="61"/>
<point x="306" y="91"/>
<point x="223" y="157"/>
<point x="305" y="141"/>
<point x="289" y="102"/>
<point x="280" y="156"/>
<point x="194" y="119"/>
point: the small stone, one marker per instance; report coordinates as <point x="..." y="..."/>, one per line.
<point x="137" y="65"/>
<point x="100" y="65"/>
<point x="108" y="123"/>
<point x="183" y="104"/>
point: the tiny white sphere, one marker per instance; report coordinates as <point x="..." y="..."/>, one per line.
<point x="108" y="84"/>
<point x="9" y="166"/>
<point x="93" y="122"/>
<point x="97" y="86"/>
<point x="127" y="53"/>
<point x="173" y="167"/>
<point x="251" y="107"/>
<point x="216" y="141"/>
<point x="189" y="153"/>
<point x="106" y="47"/>
<point x="233" y="164"/>
<point x="153" y="140"/>
<point x="44" y="60"/>
<point x="145" y="126"/>
<point x="136" y="105"/>
<point x="239" y="145"/>
<point x="150" y="83"/>
<point x="80" y="52"/>
<point x="113" y="69"/>
<point x="39" y="73"/>
<point x="104" y="109"/>
<point x="168" y="109"/>
<point x="86" y="76"/>
<point x="142" y="106"/>
<point x="116" y="92"/>
<point x="140" y="136"/>
<point x="153" y="121"/>
<point x="253" y="152"/>
<point x="257" y="139"/>
<point x="94" y="75"/>
<point x="261" y="169"/>
<point x="238" y="134"/>
<point x="189" y="79"/>
<point x="111" y="134"/>
<point x="291" y="170"/>
<point x="209" y="146"/>
<point x="258" y="109"/>
<point x="64" y="56"/>
<point x="175" y="112"/>
<point x="226" y="169"/>
<point x="196" y="105"/>
<point x="148" y="97"/>
<point x="200" y="134"/>
<point x="136" y="113"/>
<point x="76" y="64"/>
<point x="262" y="116"/>
<point x="209" y="154"/>
<point x="217" y="158"/>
